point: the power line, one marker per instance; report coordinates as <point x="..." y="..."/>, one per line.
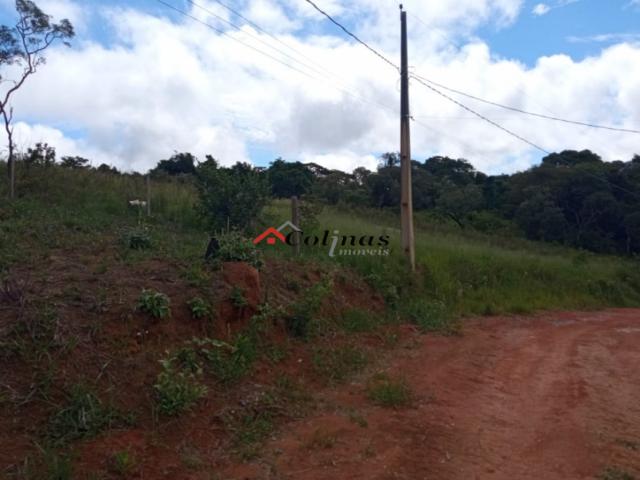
<point x="258" y="39"/>
<point x="479" y="115"/>
<point x="378" y="54"/>
<point x="345" y="30"/>
<point x="270" y="35"/>
<point x="222" y="32"/>
<point x="525" y="112"/>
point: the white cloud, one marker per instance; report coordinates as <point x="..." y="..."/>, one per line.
<point x="168" y="86"/>
<point x="541" y="9"/>
<point x="544" y="8"/>
<point x="606" y="38"/>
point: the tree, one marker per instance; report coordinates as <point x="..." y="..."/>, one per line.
<point x="289" y="179"/>
<point x="41" y="155"/>
<point x="74" y="162"/>
<point x="24" y="45"/>
<point x="230" y="196"/>
<point x="178" y="164"/>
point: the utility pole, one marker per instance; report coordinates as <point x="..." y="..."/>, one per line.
<point x="406" y="202"/>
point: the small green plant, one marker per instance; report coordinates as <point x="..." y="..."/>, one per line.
<point x="177" y="390"/>
<point x="238" y="298"/>
<point x="154" y="303"/>
<point x="199" y="308"/>
<point x="388" y="392"/>
<point x="122" y="463"/>
<point x="227" y="362"/>
<point x="83" y="416"/>
<point x="336" y="364"/>
<point x="137" y="239"/>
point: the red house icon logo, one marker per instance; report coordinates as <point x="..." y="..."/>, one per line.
<point x="271" y="235"/>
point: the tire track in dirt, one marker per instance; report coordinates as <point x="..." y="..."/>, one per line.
<point x="555" y="396"/>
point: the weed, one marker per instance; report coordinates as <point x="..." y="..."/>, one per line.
<point x="303" y="311"/>
<point x="321" y="439"/>
<point x="137" y="239"/>
<point x="614" y="473"/>
<point x="191" y="457"/>
<point x="429" y="316"/>
<point x="336" y="364"/>
<point x="251" y="424"/>
<point x="228" y="362"/>
<point x="199" y="308"/>
<point x="388" y="392"/>
<point x="357" y="321"/>
<point x="238" y="298"/>
<point x="122" y="463"/>
<point x="358" y="419"/>
<point x="154" y="303"/>
<point x="177" y="390"/>
<point x="83" y="416"/>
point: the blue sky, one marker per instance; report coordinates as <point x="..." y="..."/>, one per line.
<point x="142" y="81"/>
<point x="570" y="29"/>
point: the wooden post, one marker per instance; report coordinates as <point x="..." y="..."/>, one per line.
<point x="148" y="195"/>
<point x="406" y="202"/>
<point x="295" y="219"/>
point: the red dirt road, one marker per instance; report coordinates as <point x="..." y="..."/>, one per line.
<point x="556" y="396"/>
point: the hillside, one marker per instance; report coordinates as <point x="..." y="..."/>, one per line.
<point x="128" y="355"/>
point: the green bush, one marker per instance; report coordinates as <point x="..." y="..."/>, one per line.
<point x="154" y="303"/>
<point x="177" y="390"/>
<point x="234" y="247"/>
<point x="199" y="308"/>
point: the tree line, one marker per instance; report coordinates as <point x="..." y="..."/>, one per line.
<point x="572" y="198"/>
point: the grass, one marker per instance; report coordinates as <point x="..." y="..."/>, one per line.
<point x="83" y="415"/>
<point x="388" y="392"/>
<point x="337" y="363"/>
<point x="461" y="273"/>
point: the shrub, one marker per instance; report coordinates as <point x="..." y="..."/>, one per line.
<point x="177" y="390"/>
<point x="154" y="303"/>
<point x="199" y="308"/>
<point x="234" y="247"/>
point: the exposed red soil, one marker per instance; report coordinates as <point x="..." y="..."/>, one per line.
<point x="550" y="396"/>
<point x="556" y="396"/>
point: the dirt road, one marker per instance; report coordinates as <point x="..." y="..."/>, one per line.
<point x="556" y="396"/>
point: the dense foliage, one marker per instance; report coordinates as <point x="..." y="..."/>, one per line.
<point x="572" y="198"/>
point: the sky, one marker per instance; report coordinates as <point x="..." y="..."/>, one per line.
<point x="142" y="81"/>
